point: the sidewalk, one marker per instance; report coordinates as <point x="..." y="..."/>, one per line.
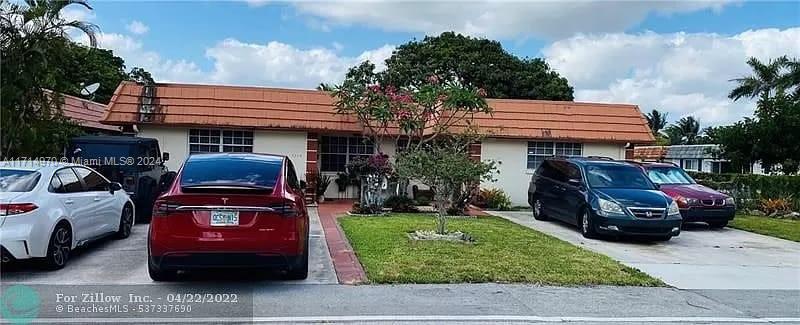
<point x="348" y="269"/>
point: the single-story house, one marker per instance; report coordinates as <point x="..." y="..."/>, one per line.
<point x="694" y="157"/>
<point x="302" y="125"/>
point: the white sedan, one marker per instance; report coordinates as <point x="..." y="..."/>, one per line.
<point x="48" y="209"/>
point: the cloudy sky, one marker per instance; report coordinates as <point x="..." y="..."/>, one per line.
<point x="677" y="57"/>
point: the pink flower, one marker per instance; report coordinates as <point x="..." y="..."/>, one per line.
<point x="434" y="79"/>
<point x="375" y="89"/>
<point x="481" y="92"/>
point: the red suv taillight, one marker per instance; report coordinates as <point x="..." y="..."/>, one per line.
<point x="8" y="209"/>
<point x="163" y="208"/>
<point x="285" y="209"/>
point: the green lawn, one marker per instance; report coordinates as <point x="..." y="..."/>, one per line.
<point x="503" y="252"/>
<point x="781" y="228"/>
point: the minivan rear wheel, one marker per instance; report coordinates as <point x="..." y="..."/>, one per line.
<point x="586" y="225"/>
<point x="538" y="213"/>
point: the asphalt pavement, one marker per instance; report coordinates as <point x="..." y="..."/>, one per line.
<point x="108" y="283"/>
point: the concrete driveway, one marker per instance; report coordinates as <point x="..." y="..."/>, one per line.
<point x="125" y="262"/>
<point x="700" y="258"/>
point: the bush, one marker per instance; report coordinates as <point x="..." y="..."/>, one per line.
<point x="399" y="203"/>
<point x="494" y="199"/>
<point x="772" y="206"/>
<point x="750" y="190"/>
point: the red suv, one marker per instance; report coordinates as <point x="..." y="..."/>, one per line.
<point x="230" y="210"/>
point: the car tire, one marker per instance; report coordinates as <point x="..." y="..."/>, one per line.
<point x="59" y="247"/>
<point x="586" y="225"/>
<point x="538" y="214"/>
<point x="299" y="269"/>
<point x="718" y="224"/>
<point x="125" y="222"/>
<point x="157" y="274"/>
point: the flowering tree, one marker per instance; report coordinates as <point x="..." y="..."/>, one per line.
<point x="435" y="119"/>
<point x="446" y="167"/>
<point x="420" y="114"/>
<point x="373" y="172"/>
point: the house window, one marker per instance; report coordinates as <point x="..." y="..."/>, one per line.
<point x="336" y="152"/>
<point x="538" y="151"/>
<point x="690" y="164"/>
<point x="215" y="140"/>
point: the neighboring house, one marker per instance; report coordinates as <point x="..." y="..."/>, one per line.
<point x="302" y="125"/>
<point x="87" y="114"/>
<point x="695" y="157"/>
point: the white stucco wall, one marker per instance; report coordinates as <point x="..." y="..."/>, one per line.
<point x="512" y="158"/>
<point x="512" y="154"/>
<point x="287" y="143"/>
<point x="170" y="139"/>
<point x="175" y="140"/>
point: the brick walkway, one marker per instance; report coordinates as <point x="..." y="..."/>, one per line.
<point x="348" y="269"/>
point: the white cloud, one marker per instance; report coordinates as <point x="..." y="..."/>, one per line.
<point x="137" y="27"/>
<point x="500" y="19"/>
<point x="256" y="3"/>
<point x="681" y="73"/>
<point x="280" y="64"/>
<point x="273" y="64"/>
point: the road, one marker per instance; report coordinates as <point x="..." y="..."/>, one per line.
<point x="700" y="258"/>
<point x="118" y="268"/>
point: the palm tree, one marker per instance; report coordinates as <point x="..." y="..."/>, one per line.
<point x="656" y="120"/>
<point x="32" y="33"/>
<point x="766" y="78"/>
<point x="41" y="19"/>
<point x="685" y="131"/>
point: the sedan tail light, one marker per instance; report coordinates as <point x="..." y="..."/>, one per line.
<point x="16" y="208"/>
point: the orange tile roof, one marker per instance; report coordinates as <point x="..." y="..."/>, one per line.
<point x="650" y="153"/>
<point x="273" y="108"/>
<point x="85" y="112"/>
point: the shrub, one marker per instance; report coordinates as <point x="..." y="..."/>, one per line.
<point x="322" y="184"/>
<point x="749" y="190"/>
<point x="399" y="203"/>
<point x="495" y="199"/>
<point x="770" y="206"/>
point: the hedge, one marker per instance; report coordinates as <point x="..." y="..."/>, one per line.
<point x="749" y="189"/>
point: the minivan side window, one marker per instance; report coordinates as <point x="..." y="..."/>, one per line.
<point x="553" y="169"/>
<point x="573" y="172"/>
<point x="69" y="181"/>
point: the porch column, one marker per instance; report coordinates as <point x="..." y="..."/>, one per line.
<point x="475" y="151"/>
<point x="312" y="170"/>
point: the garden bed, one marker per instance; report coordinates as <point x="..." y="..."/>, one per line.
<point x="788" y="229"/>
<point x="501" y="252"/>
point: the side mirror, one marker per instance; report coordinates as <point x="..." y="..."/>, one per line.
<point x="164" y="156"/>
<point x="166" y="181"/>
<point x="303" y="185"/>
<point x="113" y="187"/>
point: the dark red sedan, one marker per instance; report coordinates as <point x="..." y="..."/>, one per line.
<point x="697" y="203"/>
<point x="230" y="210"/>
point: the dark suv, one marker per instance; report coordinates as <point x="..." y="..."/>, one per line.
<point x="136" y="163"/>
<point x="602" y="196"/>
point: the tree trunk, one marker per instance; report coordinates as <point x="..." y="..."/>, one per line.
<point x="441" y="217"/>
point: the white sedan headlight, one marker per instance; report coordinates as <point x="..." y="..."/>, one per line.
<point x="673" y="208"/>
<point x="730" y="201"/>
<point x="607" y="207"/>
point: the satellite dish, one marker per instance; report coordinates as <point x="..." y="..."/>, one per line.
<point x="90" y="89"/>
